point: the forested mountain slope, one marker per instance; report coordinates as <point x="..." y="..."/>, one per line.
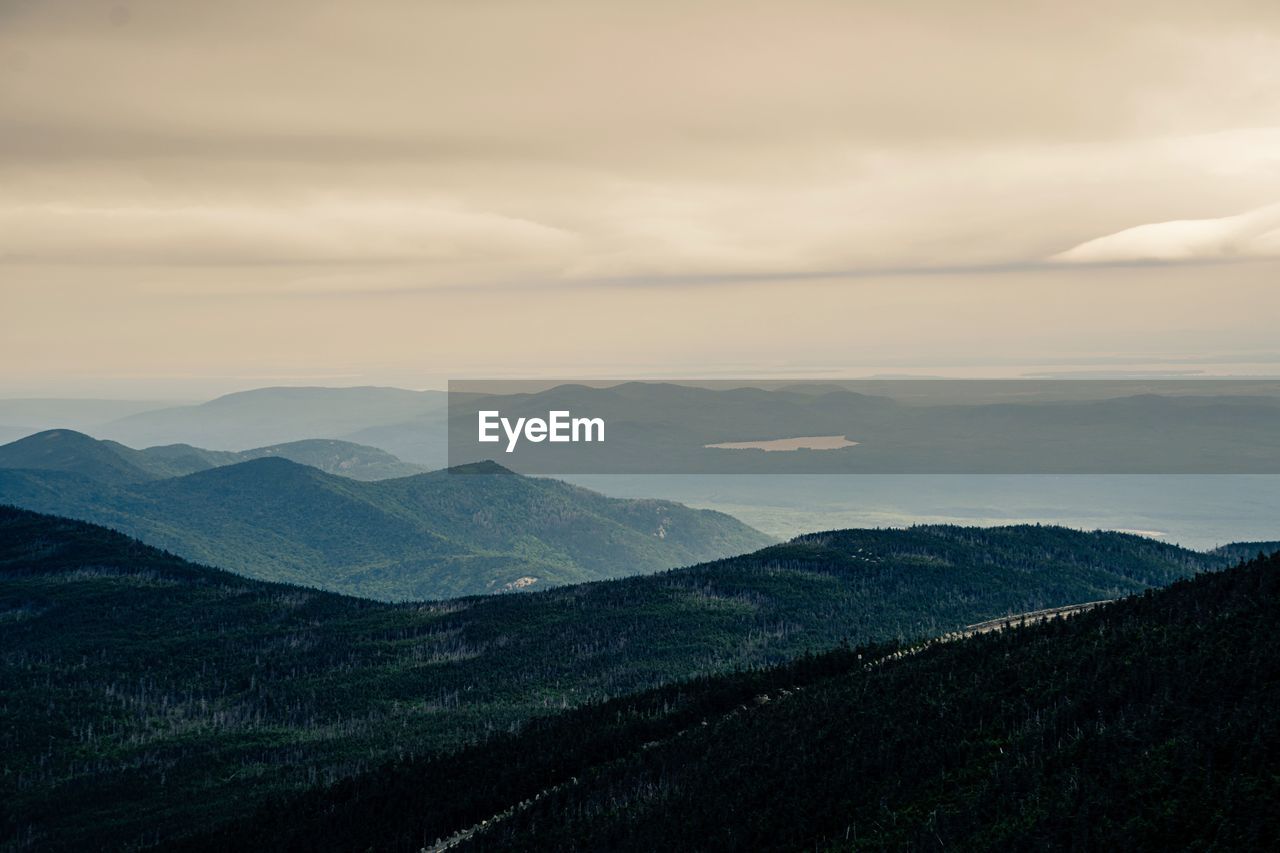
<point x="74" y="452"/>
<point x="1144" y="724"/>
<point x="145" y="696"/>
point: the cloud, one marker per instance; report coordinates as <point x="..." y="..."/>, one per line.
<point x="307" y="233"/>
<point x="247" y="186"/>
<point x="1255" y="234"/>
<point x="538" y="144"/>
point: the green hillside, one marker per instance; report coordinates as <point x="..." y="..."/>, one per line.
<point x="75" y="452"/>
<point x="1146" y="724"/>
<point x="344" y="458"/>
<point x="146" y="697"/>
<point x="428" y="536"/>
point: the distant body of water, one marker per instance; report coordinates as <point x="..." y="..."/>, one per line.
<point x="1196" y="511"/>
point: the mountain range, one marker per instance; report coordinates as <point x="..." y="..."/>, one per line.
<point x="113" y="462"/>
<point x="1199" y="510"/>
<point x="424" y="536"/>
<point x="147" y="698"/>
<point x="1030" y="426"/>
<point x="668" y="428"/>
<point x="408" y="424"/>
<point x="264" y="416"/>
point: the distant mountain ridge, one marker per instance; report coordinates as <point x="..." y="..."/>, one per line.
<point x="668" y="428"/>
<point x="22" y="416"/>
<point x="269" y="416"/>
<point x="900" y="427"/>
<point x="113" y="462"/>
<point x="425" y="536"/>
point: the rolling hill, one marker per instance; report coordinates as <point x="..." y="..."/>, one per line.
<point x="1144" y="724"/>
<point x="74" y="452"/>
<point x="428" y="536"/>
<point x="147" y="697"/>
<point x="112" y="462"/>
<point x="344" y="458"/>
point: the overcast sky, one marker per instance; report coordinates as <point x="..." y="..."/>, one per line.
<point x="197" y="197"/>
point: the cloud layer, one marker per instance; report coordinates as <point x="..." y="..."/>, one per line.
<point x="653" y="138"/>
<point x="1255" y="234"/>
<point x="268" y="233"/>
<point x="392" y="186"/>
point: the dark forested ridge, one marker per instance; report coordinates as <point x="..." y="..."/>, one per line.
<point x="145" y="696"/>
<point x="1246" y="550"/>
<point x="1145" y="724"/>
<point x="426" y="536"/>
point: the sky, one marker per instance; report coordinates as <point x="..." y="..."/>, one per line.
<point x="201" y="197"/>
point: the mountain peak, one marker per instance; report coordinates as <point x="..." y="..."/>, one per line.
<point x="276" y="466"/>
<point x="487" y="466"/>
<point x="69" y="450"/>
<point x="57" y="434"/>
